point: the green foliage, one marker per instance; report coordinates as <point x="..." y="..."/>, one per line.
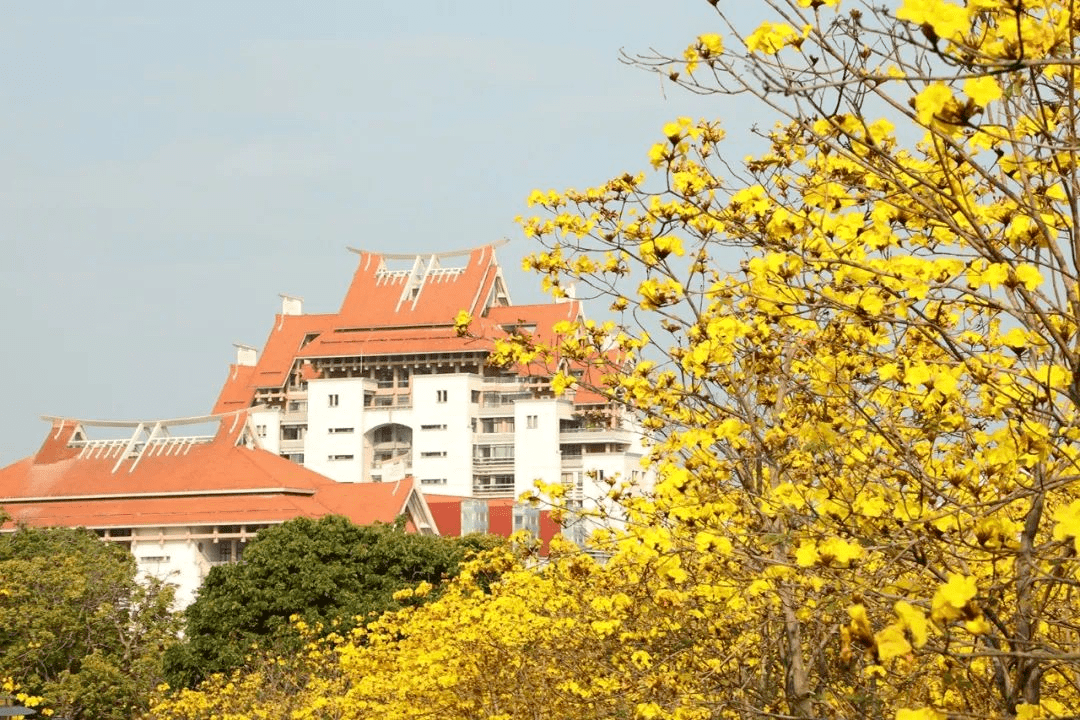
<point x="76" y="627"/>
<point x="328" y="573"/>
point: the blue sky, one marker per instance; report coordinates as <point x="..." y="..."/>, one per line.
<point x="169" y="168"/>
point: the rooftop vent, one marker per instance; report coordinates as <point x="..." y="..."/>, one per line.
<point x="291" y="305"/>
<point x="245" y="354"/>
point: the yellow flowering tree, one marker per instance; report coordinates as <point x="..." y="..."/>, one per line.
<point x="857" y="353"/>
<point x="878" y="408"/>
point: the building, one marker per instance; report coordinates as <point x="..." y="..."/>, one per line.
<point x="183" y="503"/>
<point x="385" y="387"/>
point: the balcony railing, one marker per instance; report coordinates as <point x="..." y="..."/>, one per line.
<point x="291" y="446"/>
<point x="500" y="490"/>
<point x="489" y="462"/>
<point x="496" y="399"/>
<point x="594" y="435"/>
<point x="493" y="438"/>
<point x="389" y="402"/>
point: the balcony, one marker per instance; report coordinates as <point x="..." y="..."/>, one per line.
<point x="499" y="438"/>
<point x="497" y="403"/>
<point x="489" y="491"/>
<point x="402" y="401"/>
<point x="597" y="435"/>
<point x="289" y="447"/>
<point x="295" y="413"/>
<point x="490" y="464"/>
<point x="397" y="448"/>
<point x="493" y="485"/>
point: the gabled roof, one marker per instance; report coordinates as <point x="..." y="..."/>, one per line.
<point x="422" y="293"/>
<point x="286" y="338"/>
<point x="156" y="478"/>
<point x="399" y="304"/>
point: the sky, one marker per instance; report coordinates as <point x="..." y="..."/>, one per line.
<point x="169" y="168"/>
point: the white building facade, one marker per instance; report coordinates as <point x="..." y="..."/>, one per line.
<point x="386" y="388"/>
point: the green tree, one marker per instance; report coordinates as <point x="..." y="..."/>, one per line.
<point x="77" y="629"/>
<point x="325" y="572"/>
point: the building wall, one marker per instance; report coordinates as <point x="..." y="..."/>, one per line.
<point x="173" y="558"/>
<point x="536" y="441"/>
<point x="267" y="424"/>
<point x="460" y="438"/>
<point x="444" y="400"/>
<point x="334" y="440"/>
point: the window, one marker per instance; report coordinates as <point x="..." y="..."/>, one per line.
<point x="432" y="481"/>
<point x="476" y="396"/>
<point x="531" y="421"/>
<point x="433" y="453"/>
<point x="260" y="430"/>
<point x="432" y="427"/>
<point x="339" y="431"/>
<point x="332" y="400"/>
<point x="493" y="452"/>
<point x="154" y="559"/>
<point x="292" y="432"/>
<point x="497" y="425"/>
<point x="229" y="551"/>
<point x="440" y="396"/>
<point x="339" y="457"/>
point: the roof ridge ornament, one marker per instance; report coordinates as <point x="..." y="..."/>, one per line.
<point x="445" y="254"/>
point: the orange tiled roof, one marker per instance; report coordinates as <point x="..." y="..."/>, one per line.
<point x="215" y="481"/>
<point x="236" y="394"/>
<point x="375" y="297"/>
<point x="351" y="343"/>
<point x="380" y="316"/>
<point x="543" y="317"/>
<point x="273" y="367"/>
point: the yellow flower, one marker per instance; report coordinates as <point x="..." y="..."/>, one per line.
<point x="1028" y="276"/>
<point x="711" y="43"/>
<point x="461" y="323"/>
<point x="930" y="103"/>
<point x="920" y="714"/>
<point x="1068" y="523"/>
<point x="914" y="620"/>
<point x="952" y="597"/>
<point x="947" y="20"/>
<point x="983" y="90"/>
<point x="891" y="643"/>
<point x="807" y="554"/>
<point x="770" y="38"/>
